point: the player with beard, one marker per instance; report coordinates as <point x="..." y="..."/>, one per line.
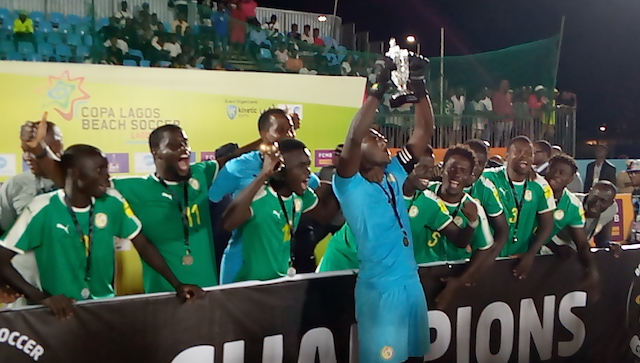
<point x="171" y="204"/>
<point x="268" y="211"/>
<point x="71" y="232"/>
<point x="391" y="308"/>
<point x="274" y="125"/>
<point x="528" y="203"/>
<point x="570" y="214"/>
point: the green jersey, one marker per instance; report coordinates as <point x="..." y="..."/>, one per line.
<point x="266" y="236"/>
<point x="341" y="252"/>
<point x="47" y="228"/>
<point x="440" y="248"/>
<point x="428" y="216"/>
<point x="486" y="194"/>
<point x="161" y="211"/>
<point x="569" y="213"/>
<point x="522" y="207"/>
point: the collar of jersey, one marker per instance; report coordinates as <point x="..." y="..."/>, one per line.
<point x="169" y="182"/>
<point x="60" y="193"/>
<point x="275" y="194"/>
<point x="506" y="175"/>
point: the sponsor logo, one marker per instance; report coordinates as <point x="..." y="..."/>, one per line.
<point x="232" y="111"/>
<point x="64" y="93"/>
<point x="21" y="342"/>
<point x="63" y="227"/>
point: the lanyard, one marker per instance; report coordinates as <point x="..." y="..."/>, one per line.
<point x="591" y="228"/>
<point x="453" y="217"/>
<point x="519" y="204"/>
<point x="289" y="224"/>
<point x="391" y="198"/>
<point x="183" y="211"/>
<point x="86" y="240"/>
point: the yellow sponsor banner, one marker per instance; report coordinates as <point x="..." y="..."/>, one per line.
<point x="115" y="108"/>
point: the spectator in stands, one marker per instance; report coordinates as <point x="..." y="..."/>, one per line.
<point x="294" y="34"/>
<point x="248" y="7"/>
<point x="238" y="28"/>
<point x="23" y="31"/>
<point x="549" y="116"/>
<point x="521" y="112"/>
<point x="272" y="26"/>
<point x="487" y="111"/>
<point x="345" y="67"/>
<point x="111" y="30"/>
<point x="316" y="38"/>
<point x="282" y="54"/>
<point x="181" y="22"/>
<point x="123" y="14"/>
<point x="180" y="61"/>
<point x="181" y="7"/>
<point x="155" y="25"/>
<point x="118" y="43"/>
<point x="113" y="54"/>
<point x="503" y="108"/>
<point x="458" y="100"/>
<point x="144" y="14"/>
<point x="541" y="156"/>
<point x="189" y="40"/>
<point x="306" y="34"/>
<point x="172" y="45"/>
<point x="259" y="40"/>
<point x="220" y="20"/>
<point x="536" y="101"/>
<point x="600" y="169"/>
<point x="623" y="181"/>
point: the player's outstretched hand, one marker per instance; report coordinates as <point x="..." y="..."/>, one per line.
<point x="188" y="293"/>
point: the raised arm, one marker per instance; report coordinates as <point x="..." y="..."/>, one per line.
<point x="239" y="211"/>
<point x="423" y="124"/>
<point x="243" y="150"/>
<point x="461" y="237"/>
<point x="350" y="158"/>
<point x="32" y="136"/>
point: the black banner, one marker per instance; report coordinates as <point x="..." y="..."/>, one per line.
<point x="311" y="319"/>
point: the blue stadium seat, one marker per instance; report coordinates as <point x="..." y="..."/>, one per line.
<point x="56" y="18"/>
<point x="63" y="50"/>
<point x="129" y="63"/>
<point x="26" y="48"/>
<point x="54" y="38"/>
<point x="6" y="47"/>
<point x="45" y="49"/>
<point x="265" y="54"/>
<point x="6" y="14"/>
<point x="51" y="58"/>
<point x="82" y="52"/>
<point x="165" y="64"/>
<point x="37" y="16"/>
<point x="88" y="40"/>
<point x="74" y="39"/>
<point x="34" y="57"/>
<point x="82" y="29"/>
<point x="136" y="52"/>
<point x="40" y="37"/>
<point x="102" y="22"/>
<point x="200" y="66"/>
<point x="85" y="20"/>
<point x="73" y="19"/>
<point x="65" y="28"/>
<point x="145" y="63"/>
<point x="8" y="26"/>
<point x="45" y="27"/>
<point x="14" y="56"/>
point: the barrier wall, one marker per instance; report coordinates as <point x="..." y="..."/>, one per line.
<point x="499" y="319"/>
<point x="115" y="108"/>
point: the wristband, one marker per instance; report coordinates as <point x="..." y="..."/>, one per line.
<point x="419" y="88"/>
<point x="474" y="224"/>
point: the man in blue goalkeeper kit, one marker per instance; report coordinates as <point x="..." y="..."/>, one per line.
<point x="273" y="124"/>
<point x="391" y="308"/>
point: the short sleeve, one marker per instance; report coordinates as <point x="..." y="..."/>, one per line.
<point x="342" y="185"/>
<point x="437" y="214"/>
<point x="26" y="233"/>
<point x="226" y="182"/>
<point x="309" y="200"/>
<point x="397" y="169"/>
<point x="314" y="181"/>
<point x="577" y="219"/>
<point x="491" y="202"/>
<point x="128" y="225"/>
<point x="546" y="202"/>
<point x="482" y="237"/>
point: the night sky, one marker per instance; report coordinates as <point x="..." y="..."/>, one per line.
<point x="601" y="44"/>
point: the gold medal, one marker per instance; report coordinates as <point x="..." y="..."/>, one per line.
<point x="187" y="260"/>
<point x="291" y="271"/>
<point x="85" y="293"/>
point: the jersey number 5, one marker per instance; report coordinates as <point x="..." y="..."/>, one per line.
<point x="435" y="237"/>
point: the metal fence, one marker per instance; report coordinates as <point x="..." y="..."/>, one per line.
<point x="452" y="129"/>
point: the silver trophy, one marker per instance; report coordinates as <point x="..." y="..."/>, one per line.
<point x="400" y="76"/>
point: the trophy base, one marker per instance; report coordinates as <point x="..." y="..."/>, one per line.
<point x="398" y="100"/>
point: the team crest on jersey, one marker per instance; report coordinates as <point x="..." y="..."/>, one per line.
<point x="298" y="204"/>
<point x="558" y="215"/>
<point x="386" y="353"/>
<point x="413" y="211"/>
<point x="195" y="184"/>
<point x="528" y="196"/>
<point x="101" y="220"/>
<point x="391" y="178"/>
<point x="458" y="221"/>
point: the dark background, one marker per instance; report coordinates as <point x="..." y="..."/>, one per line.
<point x="598" y="57"/>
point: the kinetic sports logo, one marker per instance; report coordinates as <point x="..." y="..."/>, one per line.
<point x="241" y="108"/>
<point x="64" y="93"/>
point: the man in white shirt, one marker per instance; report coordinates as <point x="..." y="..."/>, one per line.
<point x="181" y="21"/>
<point x="123" y="14"/>
<point x="306" y="35"/>
<point x="120" y="44"/>
<point x="458" y="100"/>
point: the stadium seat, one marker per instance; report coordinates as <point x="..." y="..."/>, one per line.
<point x="14" y="56"/>
<point x="40" y="37"/>
<point x="37" y="16"/>
<point x="45" y="49"/>
<point x="26" y="48"/>
<point x="56" y="18"/>
<point x="65" y="28"/>
<point x="200" y="66"/>
<point x="74" y="39"/>
<point x="6" y="47"/>
<point x="6" y="14"/>
<point x="34" y="57"/>
<point x="165" y="64"/>
<point x="82" y="52"/>
<point x="102" y="22"/>
<point x="136" y="52"/>
<point x="85" y="20"/>
<point x="50" y="58"/>
<point x="145" y="63"/>
<point x="129" y="63"/>
<point x="63" y="50"/>
<point x="54" y="38"/>
<point x="82" y="29"/>
<point x="7" y="26"/>
<point x="88" y="40"/>
<point x="265" y="54"/>
<point x="45" y="27"/>
<point x="73" y="19"/>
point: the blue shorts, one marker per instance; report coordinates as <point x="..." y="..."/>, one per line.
<point x="231" y="263"/>
<point x="393" y="323"/>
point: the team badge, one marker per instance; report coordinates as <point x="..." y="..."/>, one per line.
<point x="458" y="221"/>
<point x="413" y="211"/>
<point x="528" y="196"/>
<point x="101" y="220"/>
<point x="386" y="353"/>
<point x="558" y="215"/>
<point x="391" y="178"/>
<point x="298" y="204"/>
<point x="195" y="184"/>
